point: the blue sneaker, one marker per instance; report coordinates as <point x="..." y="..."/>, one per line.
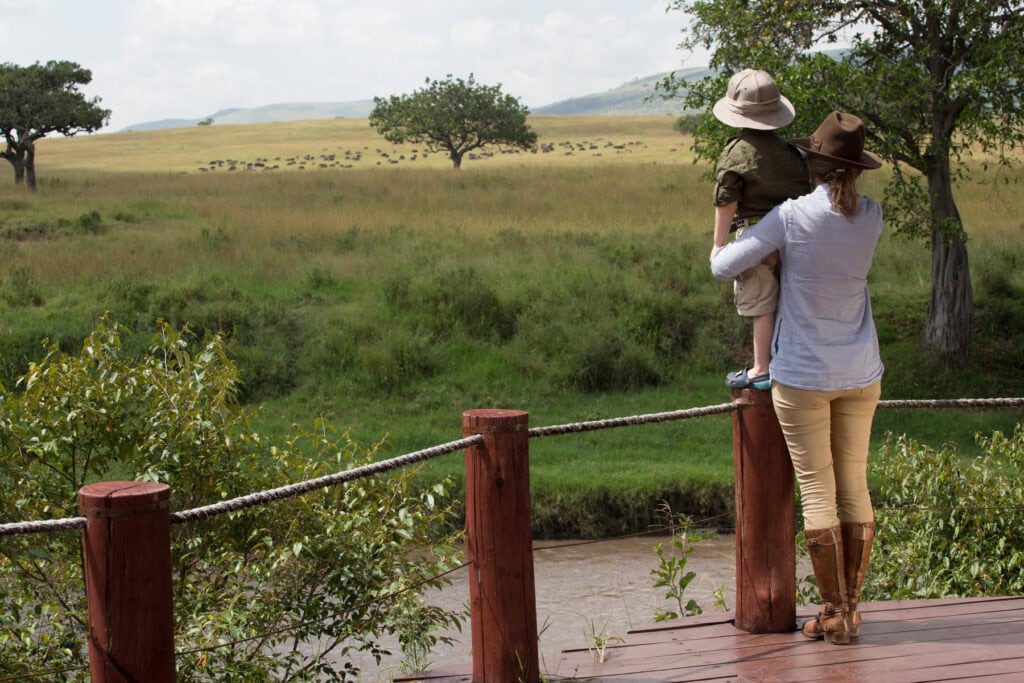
<point x="742" y="380"/>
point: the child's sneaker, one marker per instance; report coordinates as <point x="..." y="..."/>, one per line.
<point x="742" y="380"/>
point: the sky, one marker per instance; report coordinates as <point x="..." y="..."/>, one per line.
<point x="158" y="59"/>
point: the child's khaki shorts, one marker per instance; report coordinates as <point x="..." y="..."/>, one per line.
<point x="756" y="290"/>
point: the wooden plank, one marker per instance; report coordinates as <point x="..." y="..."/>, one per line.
<point x="738" y="643"/>
<point x="856" y="666"/>
<point x="766" y="652"/>
<point x="979" y="639"/>
<point x="940" y="665"/>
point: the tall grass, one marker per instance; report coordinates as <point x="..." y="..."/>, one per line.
<point x="389" y="298"/>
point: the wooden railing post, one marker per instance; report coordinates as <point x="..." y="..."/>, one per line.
<point x="127" y="553"/>
<point x="499" y="542"/>
<point x="765" y="531"/>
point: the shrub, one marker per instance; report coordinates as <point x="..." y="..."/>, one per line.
<point x="393" y="363"/>
<point x="334" y="569"/>
<point x="265" y="337"/>
<point x="90" y="223"/>
<point x="460" y="298"/>
<point x="949" y="527"/>
<point x="603" y="361"/>
<point x="23" y="287"/>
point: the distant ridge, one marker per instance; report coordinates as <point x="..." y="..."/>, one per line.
<point x="629" y="99"/>
<point x="270" y="113"/>
<point x="635" y="98"/>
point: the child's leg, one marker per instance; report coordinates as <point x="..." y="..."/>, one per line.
<point x="764" y="328"/>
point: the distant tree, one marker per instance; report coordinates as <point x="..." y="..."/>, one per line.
<point x="935" y="80"/>
<point x="41" y="99"/>
<point x="208" y="121"/>
<point x="455" y="116"/>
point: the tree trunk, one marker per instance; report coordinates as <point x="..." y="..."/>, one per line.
<point x="30" y="166"/>
<point x="16" y="156"/>
<point x="456" y="158"/>
<point x="947" y="332"/>
<point x="19" y="168"/>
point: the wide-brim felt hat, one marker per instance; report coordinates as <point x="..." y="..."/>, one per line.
<point x="753" y="100"/>
<point x="840" y="138"/>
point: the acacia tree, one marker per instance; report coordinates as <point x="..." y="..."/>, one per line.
<point x="41" y="99"/>
<point x="456" y="116"/>
<point x="936" y="80"/>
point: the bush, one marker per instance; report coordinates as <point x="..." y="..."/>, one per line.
<point x="265" y="337"/>
<point x="949" y="527"/>
<point x="605" y="362"/>
<point x="334" y="569"/>
<point x="90" y="223"/>
<point x="461" y="299"/>
<point x="393" y="363"/>
<point x="23" y="287"/>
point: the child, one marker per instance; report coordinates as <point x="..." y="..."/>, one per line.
<point x="757" y="170"/>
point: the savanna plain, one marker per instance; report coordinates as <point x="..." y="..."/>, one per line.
<point x="371" y="286"/>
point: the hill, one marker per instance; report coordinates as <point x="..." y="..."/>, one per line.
<point x="635" y="98"/>
<point x="628" y="99"/>
<point x="270" y="113"/>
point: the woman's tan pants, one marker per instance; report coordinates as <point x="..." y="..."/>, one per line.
<point x="828" y="434"/>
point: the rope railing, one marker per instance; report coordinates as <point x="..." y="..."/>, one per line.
<point x="473" y="441"/>
<point x="633" y="420"/>
<point x="954" y="403"/>
<point x="292" y="490"/>
<point x="300" y="488"/>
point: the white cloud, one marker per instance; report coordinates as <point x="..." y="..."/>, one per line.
<point x="239" y="23"/>
<point x="154" y="59"/>
<point x="474" y="33"/>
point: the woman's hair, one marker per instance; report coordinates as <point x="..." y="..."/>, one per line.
<point x="842" y="182"/>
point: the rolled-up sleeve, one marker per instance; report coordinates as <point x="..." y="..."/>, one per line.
<point x="750" y="248"/>
<point x="728" y="188"/>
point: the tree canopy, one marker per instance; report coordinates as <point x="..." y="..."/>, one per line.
<point x="40" y="99"/>
<point x="936" y="81"/>
<point x="456" y="116"/>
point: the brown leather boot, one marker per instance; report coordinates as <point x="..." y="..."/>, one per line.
<point x="857" y="538"/>
<point x="825" y="547"/>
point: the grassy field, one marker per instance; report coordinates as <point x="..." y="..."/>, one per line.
<point x="376" y="287"/>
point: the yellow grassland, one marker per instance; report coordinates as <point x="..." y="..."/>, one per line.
<point x="613" y="138"/>
<point x="628" y="176"/>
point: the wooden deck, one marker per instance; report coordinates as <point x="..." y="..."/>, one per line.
<point x="978" y="639"/>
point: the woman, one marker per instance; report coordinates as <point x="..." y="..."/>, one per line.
<point x="826" y="370"/>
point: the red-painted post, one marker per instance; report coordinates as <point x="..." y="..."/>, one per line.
<point x="765" y="531"/>
<point x="127" y="552"/>
<point x="499" y="541"/>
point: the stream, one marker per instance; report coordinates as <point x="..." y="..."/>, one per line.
<point x="583" y="589"/>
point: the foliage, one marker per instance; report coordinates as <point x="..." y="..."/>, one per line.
<point x="949" y="526"/>
<point x="332" y="571"/>
<point x="598" y="639"/>
<point x="454" y="115"/>
<point x="936" y="82"/>
<point x="671" y="573"/>
<point x="41" y="99"/>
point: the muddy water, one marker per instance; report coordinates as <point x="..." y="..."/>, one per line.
<point x="590" y="587"/>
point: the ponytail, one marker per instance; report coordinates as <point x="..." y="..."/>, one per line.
<point x="842" y="183"/>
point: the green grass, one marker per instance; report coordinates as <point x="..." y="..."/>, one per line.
<point x="389" y="299"/>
